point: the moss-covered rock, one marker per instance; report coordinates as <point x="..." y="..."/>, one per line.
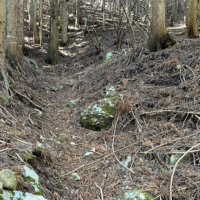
<point x="27" y="157"/>
<point x="18" y="195"/>
<point x="8" y="178"/>
<point x="135" y="194"/>
<point x="30" y="176"/>
<point x="98" y="115"/>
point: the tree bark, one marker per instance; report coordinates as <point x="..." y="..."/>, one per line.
<point x="64" y="19"/>
<point x="191" y="21"/>
<point x="158" y="31"/>
<point x="20" y="30"/>
<point x="52" y="53"/>
<point x="31" y="15"/>
<point x="11" y="41"/>
<point x="78" y="13"/>
<point x="35" y="39"/>
<point x="104" y="13"/>
<point x="41" y="21"/>
<point x="3" y="36"/>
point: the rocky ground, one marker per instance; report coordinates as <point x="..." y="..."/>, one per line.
<point x="154" y="118"/>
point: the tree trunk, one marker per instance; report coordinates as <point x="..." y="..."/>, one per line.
<point x="3" y="36"/>
<point x="35" y="39"/>
<point x="41" y="21"/>
<point x="191" y="21"/>
<point x="20" y="30"/>
<point x="52" y="53"/>
<point x="198" y="10"/>
<point x="78" y="13"/>
<point x="65" y="19"/>
<point x="157" y="27"/>
<point x="31" y="15"/>
<point x="11" y="41"/>
<point x="104" y="13"/>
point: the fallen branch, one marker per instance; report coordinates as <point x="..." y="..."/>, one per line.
<point x="176" y="166"/>
<point x="100" y="191"/>
<point x="27" y="98"/>
<point x="171" y="142"/>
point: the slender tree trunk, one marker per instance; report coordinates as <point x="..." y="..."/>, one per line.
<point x="158" y="31"/>
<point x="31" y="15"/>
<point x="41" y="21"/>
<point x="104" y="13"/>
<point x="78" y="13"/>
<point x="65" y="19"/>
<point x="191" y="21"/>
<point x="11" y="41"/>
<point x="198" y="10"/>
<point x="20" y="30"/>
<point x="3" y="36"/>
<point x="35" y="22"/>
<point x="52" y="53"/>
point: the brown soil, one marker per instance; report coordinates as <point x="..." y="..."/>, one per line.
<point x="159" y="113"/>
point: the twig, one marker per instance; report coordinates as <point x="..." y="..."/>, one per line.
<point x="176" y="166"/>
<point x="174" y="111"/>
<point x="114" y="131"/>
<point x="19" y="157"/>
<point x="171" y="142"/>
<point x="4" y="150"/>
<point x="27" y="99"/>
<point x="8" y="113"/>
<point x="100" y="191"/>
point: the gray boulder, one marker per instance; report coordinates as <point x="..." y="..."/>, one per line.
<point x="9" y="179"/>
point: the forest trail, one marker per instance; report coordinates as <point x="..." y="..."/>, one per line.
<point x="159" y="113"/>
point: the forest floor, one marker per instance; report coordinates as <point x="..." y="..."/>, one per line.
<point x="159" y="113"/>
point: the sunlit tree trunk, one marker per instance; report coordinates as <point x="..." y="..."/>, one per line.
<point x="52" y="53"/>
<point x="64" y="19"/>
<point x="191" y="21"/>
<point x="11" y="41"/>
<point x="41" y="21"/>
<point x="31" y="14"/>
<point x="20" y="30"/>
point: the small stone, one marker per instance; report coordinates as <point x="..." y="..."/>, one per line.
<point x="93" y="149"/>
<point x="175" y="157"/>
<point x="74" y="176"/>
<point x="9" y="179"/>
<point x="111" y="92"/>
<point x="135" y="194"/>
<point x="2" y="121"/>
<point x="72" y="103"/>
<point x="126" y="163"/>
<point x="109" y="56"/>
<point x="72" y="143"/>
<point x="88" y="155"/>
<point x="1" y="188"/>
<point x="54" y="89"/>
